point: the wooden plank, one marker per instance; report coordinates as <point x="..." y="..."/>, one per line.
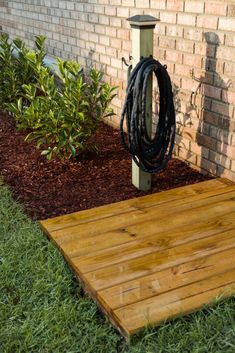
<point x="122" y="221"/>
<point x="146" y="244"/>
<point x="76" y="218"/>
<point x="121" y="240"/>
<point x="166" y="280"/>
<point x="144" y="260"/>
<point x="179" y="301"/>
<point x="145" y="265"/>
<point x="156" y="227"/>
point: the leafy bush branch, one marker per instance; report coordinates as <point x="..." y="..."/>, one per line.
<point x="63" y="117"/>
<point x="16" y="67"/>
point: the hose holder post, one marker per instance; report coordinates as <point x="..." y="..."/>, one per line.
<point x="143" y="21"/>
<point x="142" y="46"/>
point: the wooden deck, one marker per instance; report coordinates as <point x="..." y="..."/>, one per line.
<point x="148" y="259"/>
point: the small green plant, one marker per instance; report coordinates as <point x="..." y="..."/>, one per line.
<point x="63" y="117"/>
<point x="17" y="67"/>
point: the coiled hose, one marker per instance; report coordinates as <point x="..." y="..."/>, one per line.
<point x="151" y="154"/>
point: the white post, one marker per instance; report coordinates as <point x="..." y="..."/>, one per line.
<point x="142" y="46"/>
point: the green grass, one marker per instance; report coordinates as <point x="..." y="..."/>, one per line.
<point x="43" y="309"/>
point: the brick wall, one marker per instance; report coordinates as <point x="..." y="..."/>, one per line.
<point x="195" y="38"/>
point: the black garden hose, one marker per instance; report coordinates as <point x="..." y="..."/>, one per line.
<point x="150" y="154"/>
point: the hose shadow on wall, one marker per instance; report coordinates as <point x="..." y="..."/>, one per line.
<point x="207" y="113"/>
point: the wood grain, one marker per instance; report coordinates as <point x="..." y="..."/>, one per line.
<point x="147" y="216"/>
<point x="177" y="302"/>
<point x="166" y="280"/>
<point x="159" y="256"/>
<point x="144" y="265"/>
<point x="97" y="213"/>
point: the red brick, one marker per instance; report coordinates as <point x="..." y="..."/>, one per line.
<point x="99" y="8"/>
<point x="182" y="142"/>
<point x="210" y="22"/>
<point x="189" y="84"/>
<point x="224" y="123"/>
<point x="231" y="152"/>
<point x="226" y="53"/>
<point x="230" y="40"/>
<point x="159" y="53"/>
<point x="115" y="22"/>
<point x="192" y="60"/>
<point x="174" y="56"/>
<point x="203" y="48"/>
<point x="186" y="19"/>
<point x="100" y="48"/>
<point x="225" y="173"/>
<point x="175" y="5"/>
<point x="210" y="117"/>
<point x="117" y="63"/>
<point x="168" y="17"/>
<point x="206" y="141"/>
<point x="221" y="108"/>
<point x="193" y="34"/>
<point x="104" y="20"/>
<point x="123" y="12"/>
<point x="231" y="10"/>
<point x="207" y="165"/>
<point x="228" y="96"/>
<point x="199" y="150"/>
<point x="182" y="70"/>
<point x="115" y="43"/>
<point x="166" y="42"/>
<point x="215" y="8"/>
<point x="142" y="4"/>
<point x="229" y="68"/>
<point x="111" y="71"/>
<point x="174" y="31"/>
<point x="123" y="34"/>
<point x="219" y="159"/>
<point x="110" y="31"/>
<point x="160" y="29"/>
<point x="222" y="147"/>
<point x="187" y="155"/>
<point x="226" y="23"/>
<point x="194" y="6"/>
<point x="158" y="4"/>
<point x="110" y="10"/>
<point x="212" y="91"/>
<point x="99" y="29"/>
<point x="111" y="51"/>
<point x="104" y="59"/>
<point x="187" y="133"/>
<point x="104" y="40"/>
<point x="185" y="45"/>
<point x="127" y="45"/>
<point x="93" y="37"/>
<point x="128" y="3"/>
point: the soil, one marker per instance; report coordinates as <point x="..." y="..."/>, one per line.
<point x="52" y="188"/>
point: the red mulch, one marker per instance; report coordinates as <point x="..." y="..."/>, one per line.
<point x="52" y="188"/>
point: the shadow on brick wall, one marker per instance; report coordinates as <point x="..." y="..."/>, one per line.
<point x="205" y="119"/>
<point x="213" y="129"/>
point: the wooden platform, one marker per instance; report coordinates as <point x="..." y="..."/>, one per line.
<point x="148" y="259"/>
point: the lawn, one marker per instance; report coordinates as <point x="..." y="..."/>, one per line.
<point x="43" y="308"/>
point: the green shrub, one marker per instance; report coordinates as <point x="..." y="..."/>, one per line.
<point x="17" y="67"/>
<point x="63" y="117"/>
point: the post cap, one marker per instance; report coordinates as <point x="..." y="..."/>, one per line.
<point x="142" y="21"/>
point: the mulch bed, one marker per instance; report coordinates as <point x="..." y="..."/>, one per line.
<point x="52" y="188"/>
